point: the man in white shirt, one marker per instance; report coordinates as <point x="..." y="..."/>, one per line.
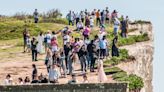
<point x="66" y="39"/>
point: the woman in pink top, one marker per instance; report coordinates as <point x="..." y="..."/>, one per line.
<point x="54" y="44"/>
<point x="86" y="32"/>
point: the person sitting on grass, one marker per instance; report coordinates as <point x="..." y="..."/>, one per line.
<point x="80" y="26"/>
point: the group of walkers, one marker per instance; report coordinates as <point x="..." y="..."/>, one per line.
<point x="61" y="60"/>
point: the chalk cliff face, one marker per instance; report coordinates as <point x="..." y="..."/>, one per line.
<point x="143" y="53"/>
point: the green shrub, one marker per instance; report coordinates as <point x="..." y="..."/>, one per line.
<point x="120" y="76"/>
<point x="113" y="69"/>
<point x="135" y="82"/>
<point x="116" y="60"/>
<point x="133" y="39"/>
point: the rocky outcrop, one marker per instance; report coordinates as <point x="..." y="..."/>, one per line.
<point x="143" y="53"/>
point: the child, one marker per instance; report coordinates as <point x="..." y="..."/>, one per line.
<point x="62" y="63"/>
<point x="85" y="79"/>
<point x="101" y="74"/>
<point x="48" y="59"/>
<point x="28" y="43"/>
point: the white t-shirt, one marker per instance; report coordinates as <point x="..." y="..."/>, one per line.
<point x="92" y="22"/>
<point x="116" y="23"/>
<point x="101" y="34"/>
<point x="48" y="36"/>
<point x="79" y="25"/>
<point x="66" y="39"/>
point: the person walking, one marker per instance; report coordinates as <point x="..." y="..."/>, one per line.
<point x="34" y="44"/>
<point x="36" y="16"/>
<point x="98" y="18"/>
<point x="70" y="18"/>
<point x="82" y="55"/>
<point x="40" y="40"/>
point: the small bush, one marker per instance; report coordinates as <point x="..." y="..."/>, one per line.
<point x="133" y="39"/>
<point x="116" y="60"/>
<point x="135" y="82"/>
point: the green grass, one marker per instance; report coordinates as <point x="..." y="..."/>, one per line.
<point x="135" y="82"/>
<point x="116" y="60"/>
<point x="113" y="69"/>
<point x="133" y="39"/>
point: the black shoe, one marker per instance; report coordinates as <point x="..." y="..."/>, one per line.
<point x="36" y="60"/>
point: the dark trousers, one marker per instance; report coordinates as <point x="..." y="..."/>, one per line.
<point x="66" y="57"/>
<point x="34" y="55"/>
<point x="77" y="20"/>
<point x="36" y="20"/>
<point x="102" y="53"/>
<point x="71" y="22"/>
<point x="98" y="21"/>
<point x="82" y="19"/>
<point x="92" y="63"/>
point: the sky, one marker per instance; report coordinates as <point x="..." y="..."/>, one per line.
<point x="152" y="10"/>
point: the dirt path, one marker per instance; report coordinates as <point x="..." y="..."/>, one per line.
<point x="20" y="66"/>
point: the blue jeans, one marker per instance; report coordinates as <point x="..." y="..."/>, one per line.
<point x="115" y="31"/>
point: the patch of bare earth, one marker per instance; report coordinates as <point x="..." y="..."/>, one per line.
<point x="20" y="65"/>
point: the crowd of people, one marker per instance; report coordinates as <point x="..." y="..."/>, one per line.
<point x="60" y="60"/>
